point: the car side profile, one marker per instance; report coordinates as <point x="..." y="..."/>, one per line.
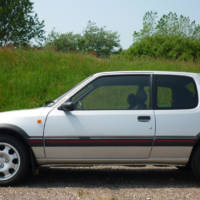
<point x="131" y="117"/>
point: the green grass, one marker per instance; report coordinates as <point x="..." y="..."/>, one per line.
<point x="30" y="77"/>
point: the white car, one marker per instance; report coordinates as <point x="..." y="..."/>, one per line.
<point x="132" y="117"/>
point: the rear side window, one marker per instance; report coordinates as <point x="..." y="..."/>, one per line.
<point x="175" y="92"/>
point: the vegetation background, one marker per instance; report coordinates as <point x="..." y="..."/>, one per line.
<point x="30" y="77"/>
<point x="34" y="69"/>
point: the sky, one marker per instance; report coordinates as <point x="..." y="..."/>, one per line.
<point x="123" y="16"/>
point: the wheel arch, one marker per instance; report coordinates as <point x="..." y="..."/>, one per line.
<point x="197" y="143"/>
<point x="20" y="134"/>
<point x="15" y="131"/>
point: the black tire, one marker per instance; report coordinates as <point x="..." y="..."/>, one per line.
<point x="195" y="162"/>
<point x="186" y="168"/>
<point x="23" y="162"/>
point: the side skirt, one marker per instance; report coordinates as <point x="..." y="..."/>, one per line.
<point x="175" y="161"/>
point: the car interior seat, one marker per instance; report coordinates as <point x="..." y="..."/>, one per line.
<point x="141" y="97"/>
<point x="131" y="99"/>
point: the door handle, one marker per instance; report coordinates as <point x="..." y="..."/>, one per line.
<point x="144" y="118"/>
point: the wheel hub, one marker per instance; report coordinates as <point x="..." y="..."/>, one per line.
<point x="2" y="161"/>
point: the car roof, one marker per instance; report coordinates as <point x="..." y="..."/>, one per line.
<point x="145" y="72"/>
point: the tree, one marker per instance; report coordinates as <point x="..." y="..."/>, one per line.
<point x="149" y="26"/>
<point x="171" y="37"/>
<point x="95" y="40"/>
<point x="19" y="25"/>
<point x="64" y="42"/>
<point x="99" y="40"/>
<point x="170" y="24"/>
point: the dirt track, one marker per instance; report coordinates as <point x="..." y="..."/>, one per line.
<point x="106" y="183"/>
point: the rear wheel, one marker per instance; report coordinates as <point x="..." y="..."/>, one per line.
<point x="187" y="167"/>
<point x="14" y="160"/>
<point x="195" y="161"/>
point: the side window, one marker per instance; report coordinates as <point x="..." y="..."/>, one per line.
<point x="115" y="93"/>
<point x="175" y="92"/>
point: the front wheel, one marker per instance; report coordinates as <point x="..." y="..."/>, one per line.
<point x="14" y="162"/>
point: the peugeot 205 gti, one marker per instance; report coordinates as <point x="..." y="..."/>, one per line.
<point x="133" y="117"/>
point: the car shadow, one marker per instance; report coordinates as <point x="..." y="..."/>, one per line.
<point x="112" y="177"/>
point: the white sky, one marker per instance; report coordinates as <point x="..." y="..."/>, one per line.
<point x="123" y="16"/>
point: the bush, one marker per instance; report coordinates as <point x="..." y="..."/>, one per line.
<point x="166" y="46"/>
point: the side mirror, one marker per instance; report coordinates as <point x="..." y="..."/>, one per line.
<point x="67" y="106"/>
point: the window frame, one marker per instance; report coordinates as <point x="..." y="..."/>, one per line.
<point x="154" y="92"/>
<point x="150" y="93"/>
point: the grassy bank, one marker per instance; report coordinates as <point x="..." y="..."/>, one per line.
<point x="30" y="77"/>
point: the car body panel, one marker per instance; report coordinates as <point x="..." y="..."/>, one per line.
<point x="101" y="128"/>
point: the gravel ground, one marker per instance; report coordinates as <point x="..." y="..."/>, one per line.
<point x="106" y="183"/>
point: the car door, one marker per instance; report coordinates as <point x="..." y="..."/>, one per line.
<point x="112" y="119"/>
<point x="177" y="117"/>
